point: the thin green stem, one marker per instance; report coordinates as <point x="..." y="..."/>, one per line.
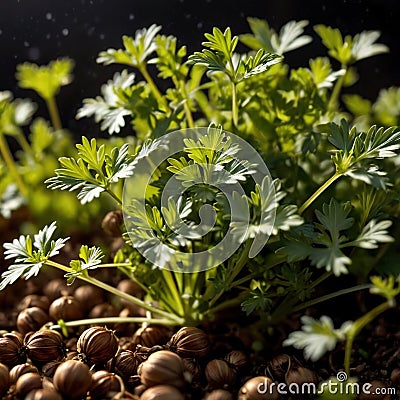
<point x="321" y="278"/>
<point x="321" y="189"/>
<point x="114" y="196"/>
<point x="143" y="70"/>
<point x="188" y="113"/>
<point x="26" y="147"/>
<point x="225" y="304"/>
<point x="8" y="159"/>
<point x="176" y="296"/>
<point x="276" y="260"/>
<point x="114" y="265"/>
<point x="333" y="101"/>
<point x="114" y="320"/>
<point x="331" y="296"/>
<point x="54" y="114"/>
<point x="119" y="293"/>
<point x="241" y="262"/>
<point x="357" y="326"/>
<point x="235" y="109"/>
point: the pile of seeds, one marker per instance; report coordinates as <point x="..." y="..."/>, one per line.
<point x="126" y="361"/>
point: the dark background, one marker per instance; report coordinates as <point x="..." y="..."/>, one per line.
<point x="42" y="30"/>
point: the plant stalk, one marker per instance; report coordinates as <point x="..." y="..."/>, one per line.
<point x="331" y="296"/>
<point x="186" y="107"/>
<point x="235" y="110"/>
<point x="357" y="326"/>
<point x="177" y="320"/>
<point x="333" y="101"/>
<point x="9" y="160"/>
<point x="153" y="86"/>
<point x="241" y="262"/>
<point x="114" y="320"/>
<point x="321" y="189"/>
<point x="54" y="114"/>
<point x="114" y="196"/>
<point x="26" y="147"/>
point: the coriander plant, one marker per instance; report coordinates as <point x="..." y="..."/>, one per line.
<point x="328" y="201"/>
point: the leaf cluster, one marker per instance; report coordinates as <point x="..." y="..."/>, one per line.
<point x="94" y="171"/>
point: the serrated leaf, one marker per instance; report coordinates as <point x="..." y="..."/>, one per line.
<point x="317" y="336"/>
<point x="90" y="256"/>
<point x="30" y="255"/>
<point x="364" y="45"/>
<point x="46" y="80"/>
<point x="260" y="63"/>
<point x="350" y="50"/>
<point x="322" y="73"/>
<point x="112" y="107"/>
<point x="355" y="147"/>
<point x="136" y="50"/>
<point x="290" y="36"/>
<point x="373" y="233"/>
<point x="334" y="217"/>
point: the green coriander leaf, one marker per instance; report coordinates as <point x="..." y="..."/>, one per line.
<point x="90" y="256"/>
<point x="290" y="36"/>
<point x="334" y="217"/>
<point x="93" y="156"/>
<point x="112" y="107"/>
<point x="350" y="50"/>
<point x="261" y="62"/>
<point x="357" y="105"/>
<point x="258" y="300"/>
<point x="373" y="233"/>
<point x="45" y="80"/>
<point x="11" y="200"/>
<point x="353" y="147"/>
<point x="286" y="218"/>
<point x="30" y="255"/>
<point x="42" y="136"/>
<point x="169" y="59"/>
<point x="331" y="258"/>
<point x="93" y="172"/>
<point x="387" y="106"/>
<point x="323" y="249"/>
<point x="387" y="287"/>
<point x="317" y="336"/>
<point x="136" y="50"/>
<point x="322" y="73"/>
<point x="364" y="45"/>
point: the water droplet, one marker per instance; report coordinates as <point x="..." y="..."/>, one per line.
<point x="48" y="36"/>
<point x="49" y="16"/>
<point x="199" y="25"/>
<point x="33" y="53"/>
<point x="26" y="44"/>
<point x="102" y="36"/>
<point x="1" y="31"/>
<point x="65" y="32"/>
<point x="131" y="17"/>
